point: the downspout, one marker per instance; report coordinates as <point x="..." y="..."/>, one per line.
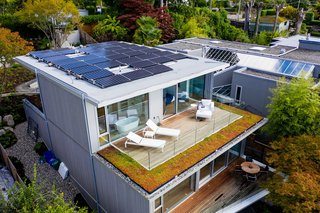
<point x="43" y="108"/>
<point x="83" y="97"/>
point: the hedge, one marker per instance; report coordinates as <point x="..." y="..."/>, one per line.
<point x="315" y="23"/>
<point x="92" y="19"/>
<point x="309" y="17"/>
<point x="315" y="34"/>
<point x="268" y="12"/>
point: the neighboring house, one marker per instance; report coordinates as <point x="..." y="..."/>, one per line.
<point x="93" y="96"/>
<point x="255" y="69"/>
<point x="266" y="24"/>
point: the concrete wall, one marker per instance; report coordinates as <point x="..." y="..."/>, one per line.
<point x="224" y="77"/>
<point x="309" y="45"/>
<point x="115" y="195"/>
<point x="38" y="117"/>
<point x="255" y="91"/>
<point x="316" y="71"/>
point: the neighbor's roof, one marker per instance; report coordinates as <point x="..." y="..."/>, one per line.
<point x="180" y="70"/>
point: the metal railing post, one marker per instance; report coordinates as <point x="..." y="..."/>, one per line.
<point x="149" y="160"/>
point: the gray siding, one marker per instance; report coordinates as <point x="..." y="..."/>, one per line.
<point x="224" y="77"/>
<point x="118" y="196"/>
<point x="316" y="71"/>
<point x="255" y="91"/>
<point x="64" y="109"/>
<point x="39" y="118"/>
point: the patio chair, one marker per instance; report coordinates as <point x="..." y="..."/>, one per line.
<point x="251" y="177"/>
<point x="205" y="109"/>
<point x="249" y="158"/>
<point x="265" y="169"/>
<point x="137" y="140"/>
<point x="162" y="131"/>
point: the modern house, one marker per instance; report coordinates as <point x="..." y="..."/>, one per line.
<point x="96" y="97"/>
<point x="266" y="24"/>
<point x="255" y="69"/>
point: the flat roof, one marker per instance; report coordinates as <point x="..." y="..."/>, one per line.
<point x="182" y="70"/>
<point x="304" y="55"/>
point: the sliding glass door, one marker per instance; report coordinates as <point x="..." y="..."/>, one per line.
<point x="169" y="101"/>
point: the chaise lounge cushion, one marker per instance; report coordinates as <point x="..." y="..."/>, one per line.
<point x="135" y="139"/>
<point x="163" y="131"/>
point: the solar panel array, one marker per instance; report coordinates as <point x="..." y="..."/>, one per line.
<point x="275" y="65"/>
<point x="94" y="62"/>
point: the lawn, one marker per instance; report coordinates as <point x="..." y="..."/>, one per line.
<point x="153" y="179"/>
<point x="15" y="75"/>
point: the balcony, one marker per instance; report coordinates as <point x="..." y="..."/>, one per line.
<point x="192" y="132"/>
<point x="228" y="126"/>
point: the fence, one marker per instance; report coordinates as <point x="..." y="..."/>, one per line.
<point x="5" y="158"/>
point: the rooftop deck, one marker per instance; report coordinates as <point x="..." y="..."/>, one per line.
<point x="151" y="180"/>
<point x="223" y="190"/>
<point x="192" y="132"/>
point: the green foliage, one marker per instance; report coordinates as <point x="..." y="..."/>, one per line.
<point x="298" y="158"/>
<point x="40" y="148"/>
<point x="290" y="13"/>
<point x="30" y="198"/>
<point x="303" y="29"/>
<point x="8" y="139"/>
<point x="309" y="17"/>
<point x="294" y="109"/>
<point x="178" y="22"/>
<point x="315" y="23"/>
<point x="268" y="12"/>
<point x="13" y="105"/>
<point x="315" y="33"/>
<point x="92" y="19"/>
<point x="192" y="29"/>
<point x="265" y="37"/>
<point x="147" y="32"/>
<point x="109" y="29"/>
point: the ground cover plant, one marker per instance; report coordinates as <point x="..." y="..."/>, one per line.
<point x="13" y="105"/>
<point x="151" y="180"/>
<point x="8" y="139"/>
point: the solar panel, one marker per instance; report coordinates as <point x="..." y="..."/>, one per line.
<point x="134" y="53"/>
<point x="162" y="60"/>
<point x="163" y="53"/>
<point x="147" y="56"/>
<point x="151" y="50"/>
<point x="138" y="74"/>
<point x="177" y="56"/>
<point x="73" y="65"/>
<point x="84" y="69"/>
<point x="116" y="56"/>
<point x="158" y="69"/>
<point x="142" y="64"/>
<point x="123" y="50"/>
<point x="55" y="58"/>
<point x="62" y="62"/>
<point x="97" y="74"/>
<point x="97" y="60"/>
<point x="86" y="57"/>
<point x="109" y="64"/>
<point x="129" y="60"/>
<point x="111" y="81"/>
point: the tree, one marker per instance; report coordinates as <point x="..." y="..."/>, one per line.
<point x="109" y="29"/>
<point x="279" y="4"/>
<point x="137" y="8"/>
<point x="192" y="29"/>
<point x="259" y="6"/>
<point x="300" y="18"/>
<point x="148" y="32"/>
<point x="294" y="109"/>
<point x="248" y="4"/>
<point x="298" y="159"/>
<point x="55" y="18"/>
<point x="30" y="198"/>
<point x="290" y="13"/>
<point x="11" y="45"/>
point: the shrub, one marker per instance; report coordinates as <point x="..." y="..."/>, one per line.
<point x="315" y="23"/>
<point x="148" y="32"/>
<point x="8" y="139"/>
<point x="192" y="29"/>
<point x="314" y="33"/>
<point x="109" y="29"/>
<point x="13" y="105"/>
<point x="20" y="169"/>
<point x="92" y="19"/>
<point x="40" y="148"/>
<point x="309" y="17"/>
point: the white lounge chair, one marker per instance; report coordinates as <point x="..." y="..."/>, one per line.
<point x="134" y="139"/>
<point x="163" y="131"/>
<point x="205" y="109"/>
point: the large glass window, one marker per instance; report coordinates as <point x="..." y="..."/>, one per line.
<point x="197" y="87"/>
<point x="219" y="162"/>
<point x="184" y="99"/>
<point x="205" y="172"/>
<point x="176" y="195"/>
<point x="103" y="131"/>
<point x="169" y="101"/>
<point x="128" y="115"/>
<point x="234" y="153"/>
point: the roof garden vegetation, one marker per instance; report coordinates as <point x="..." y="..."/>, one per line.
<point x="150" y="180"/>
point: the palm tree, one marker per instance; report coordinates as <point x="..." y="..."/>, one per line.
<point x="259" y="5"/>
<point x="248" y="4"/>
<point x="279" y="4"/>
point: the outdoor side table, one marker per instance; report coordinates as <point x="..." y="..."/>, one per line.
<point x="149" y="134"/>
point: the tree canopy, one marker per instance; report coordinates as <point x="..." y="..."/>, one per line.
<point x="55" y="18"/>
<point x="11" y="45"/>
<point x="294" y="109"/>
<point x="298" y="158"/>
<point x="148" y="32"/>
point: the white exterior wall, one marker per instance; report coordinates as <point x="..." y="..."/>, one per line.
<point x="93" y="128"/>
<point x="156" y="105"/>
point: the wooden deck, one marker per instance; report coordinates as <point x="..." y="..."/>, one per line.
<point x="192" y="132"/>
<point x="226" y="188"/>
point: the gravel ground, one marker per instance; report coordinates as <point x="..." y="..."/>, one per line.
<point x="46" y="175"/>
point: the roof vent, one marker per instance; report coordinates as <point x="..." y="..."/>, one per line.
<point x="282" y="51"/>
